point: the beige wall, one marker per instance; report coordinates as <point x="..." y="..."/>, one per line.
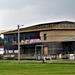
<point x="57" y="35"/>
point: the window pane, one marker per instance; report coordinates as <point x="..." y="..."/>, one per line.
<point x="44" y="36"/>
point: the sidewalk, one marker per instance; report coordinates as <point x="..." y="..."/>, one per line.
<point x="41" y="61"/>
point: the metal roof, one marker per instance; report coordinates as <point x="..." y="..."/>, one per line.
<point x="44" y="26"/>
<point x="70" y="39"/>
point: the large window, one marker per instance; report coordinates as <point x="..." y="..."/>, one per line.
<point x="13" y="39"/>
<point x="45" y="37"/>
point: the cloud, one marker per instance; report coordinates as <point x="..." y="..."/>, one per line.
<point x="14" y="12"/>
<point x="19" y="16"/>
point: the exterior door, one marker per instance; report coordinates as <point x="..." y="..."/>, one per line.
<point x="39" y="51"/>
<point x="45" y="50"/>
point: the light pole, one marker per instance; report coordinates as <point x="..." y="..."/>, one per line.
<point x="19" y="43"/>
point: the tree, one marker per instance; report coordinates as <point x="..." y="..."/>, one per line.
<point x="1" y="41"/>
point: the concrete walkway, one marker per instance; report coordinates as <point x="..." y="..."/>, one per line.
<point x="41" y="61"/>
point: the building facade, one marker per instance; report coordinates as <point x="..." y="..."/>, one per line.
<point x="43" y="39"/>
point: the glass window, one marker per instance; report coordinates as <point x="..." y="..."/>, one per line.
<point x="44" y="36"/>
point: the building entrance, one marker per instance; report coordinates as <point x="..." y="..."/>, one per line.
<point x="40" y="51"/>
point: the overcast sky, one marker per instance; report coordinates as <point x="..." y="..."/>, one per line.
<point x="31" y="12"/>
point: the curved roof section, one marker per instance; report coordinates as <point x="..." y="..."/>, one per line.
<point x="60" y="22"/>
<point x="64" y="22"/>
<point x="46" y="26"/>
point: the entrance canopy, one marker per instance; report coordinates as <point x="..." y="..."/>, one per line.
<point x="70" y="39"/>
<point x="69" y="45"/>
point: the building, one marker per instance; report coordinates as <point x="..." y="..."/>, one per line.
<point x="42" y="39"/>
<point x="1" y="50"/>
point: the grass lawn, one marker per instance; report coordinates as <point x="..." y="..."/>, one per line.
<point x="35" y="68"/>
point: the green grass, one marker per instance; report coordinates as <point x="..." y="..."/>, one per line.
<point x="35" y="68"/>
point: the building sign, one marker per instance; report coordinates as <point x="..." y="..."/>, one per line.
<point x="28" y="41"/>
<point x="15" y="51"/>
<point x="10" y="51"/>
<point x="32" y="41"/>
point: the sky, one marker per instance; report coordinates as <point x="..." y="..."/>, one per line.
<point x="33" y="12"/>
